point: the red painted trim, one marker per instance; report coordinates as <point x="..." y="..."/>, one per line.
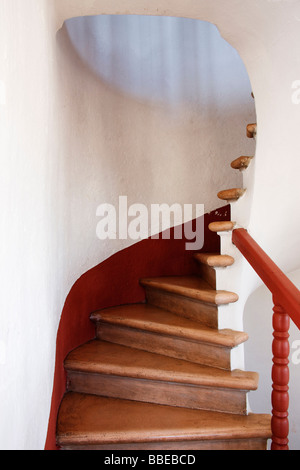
<point x="280" y="378"/>
<point x="287" y="294"/>
<point x="286" y="298"/>
<point x="116" y="282"/>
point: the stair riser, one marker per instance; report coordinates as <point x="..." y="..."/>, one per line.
<point x="243" y="444"/>
<point x="159" y="392"/>
<point x="199" y="353"/>
<point x="207" y="273"/>
<point x="203" y="313"/>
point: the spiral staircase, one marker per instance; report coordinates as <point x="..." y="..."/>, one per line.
<point x="159" y="375"/>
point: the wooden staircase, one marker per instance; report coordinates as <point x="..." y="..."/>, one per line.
<point x="158" y="375"/>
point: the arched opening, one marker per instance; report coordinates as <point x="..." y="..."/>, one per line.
<point x="150" y="97"/>
<point x="166" y="60"/>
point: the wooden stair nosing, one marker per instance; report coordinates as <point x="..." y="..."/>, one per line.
<point x="90" y="420"/>
<point x="222" y="226"/>
<point x="251" y="130"/>
<point x="98" y="357"/>
<point x="191" y="287"/>
<point x="241" y="163"/>
<point x="145" y="317"/>
<point x="231" y="194"/>
<point x="214" y="260"/>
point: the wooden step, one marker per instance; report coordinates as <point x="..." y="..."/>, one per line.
<point x="241" y="163"/>
<point x="192" y="287"/>
<point x="189" y="296"/>
<point x="92" y="422"/>
<point x="224" y="226"/>
<point x="111" y="370"/>
<point x="231" y="195"/>
<point x="147" y="328"/>
<point x="251" y="130"/>
<point x="214" y="260"/>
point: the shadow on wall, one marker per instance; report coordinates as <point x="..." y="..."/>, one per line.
<point x="116" y="282"/>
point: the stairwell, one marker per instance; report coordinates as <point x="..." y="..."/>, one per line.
<point x="159" y="375"/>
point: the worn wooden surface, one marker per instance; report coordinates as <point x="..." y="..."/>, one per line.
<point x="192" y="287"/>
<point x="91" y="420"/>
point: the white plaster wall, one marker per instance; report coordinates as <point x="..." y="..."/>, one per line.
<point x="70" y="141"/>
<point x="165" y="140"/>
<point x="272" y="61"/>
<point x="53" y="148"/>
<point x="31" y="256"/>
<point x="266" y="34"/>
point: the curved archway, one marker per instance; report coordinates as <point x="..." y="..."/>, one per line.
<point x="216" y="112"/>
<point x="263" y="46"/>
<point x="172" y="95"/>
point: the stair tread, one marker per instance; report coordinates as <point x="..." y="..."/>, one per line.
<point x="231" y="194"/>
<point x="87" y="419"/>
<point x="100" y="357"/>
<point x="193" y="287"/>
<point x="214" y="260"/>
<point x="156" y="320"/>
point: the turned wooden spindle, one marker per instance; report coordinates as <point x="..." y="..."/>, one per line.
<point x="280" y="377"/>
<point x="286" y="297"/>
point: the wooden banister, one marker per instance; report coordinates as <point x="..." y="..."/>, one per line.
<point x="277" y="282"/>
<point x="286" y="298"/>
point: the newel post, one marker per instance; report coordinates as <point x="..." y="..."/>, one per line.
<point x="280" y="377"/>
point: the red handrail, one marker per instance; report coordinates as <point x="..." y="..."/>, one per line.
<point x="286" y="299"/>
<point x="277" y="282"/>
